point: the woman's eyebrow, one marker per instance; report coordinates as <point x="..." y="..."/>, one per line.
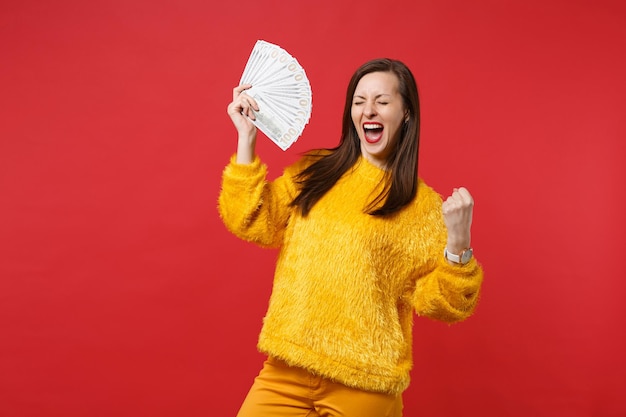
<point x="377" y="96"/>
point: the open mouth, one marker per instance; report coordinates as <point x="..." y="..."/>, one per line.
<point x="373" y="132"/>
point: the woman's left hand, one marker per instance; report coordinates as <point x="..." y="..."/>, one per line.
<point x="457" y="215"/>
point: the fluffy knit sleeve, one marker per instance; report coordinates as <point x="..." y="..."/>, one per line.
<point x="253" y="208"/>
<point x="445" y="292"/>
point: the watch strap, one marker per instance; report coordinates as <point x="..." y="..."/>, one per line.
<point x="463" y="258"/>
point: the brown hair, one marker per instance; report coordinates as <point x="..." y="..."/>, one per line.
<point x="401" y="168"/>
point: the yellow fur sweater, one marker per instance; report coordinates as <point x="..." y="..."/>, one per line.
<point x="346" y="282"/>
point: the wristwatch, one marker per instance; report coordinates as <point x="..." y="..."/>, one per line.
<point x="463" y="258"/>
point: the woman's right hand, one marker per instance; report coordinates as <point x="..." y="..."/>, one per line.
<point x="241" y="112"/>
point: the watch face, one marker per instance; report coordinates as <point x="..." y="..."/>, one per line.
<point x="466" y="256"/>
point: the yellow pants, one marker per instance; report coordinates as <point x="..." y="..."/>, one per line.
<point x="284" y="391"/>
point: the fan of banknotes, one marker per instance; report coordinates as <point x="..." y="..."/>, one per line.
<point x="282" y="91"/>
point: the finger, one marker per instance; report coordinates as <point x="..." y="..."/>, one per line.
<point x="465" y="196"/>
<point x="247" y="107"/>
<point x="239" y="105"/>
<point x="459" y="199"/>
<point x="249" y="101"/>
<point x="461" y="194"/>
<point x="239" y="89"/>
<point x="237" y="109"/>
<point x="234" y="108"/>
<point x="449" y="205"/>
<point x="463" y="191"/>
<point x="250" y="113"/>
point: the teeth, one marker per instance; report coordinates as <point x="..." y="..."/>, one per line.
<point x="372" y="126"/>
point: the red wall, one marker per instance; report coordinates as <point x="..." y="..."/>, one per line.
<point x="121" y="293"/>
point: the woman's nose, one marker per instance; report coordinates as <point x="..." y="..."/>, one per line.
<point x="369" y="110"/>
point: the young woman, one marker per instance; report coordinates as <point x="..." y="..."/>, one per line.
<point x="363" y="243"/>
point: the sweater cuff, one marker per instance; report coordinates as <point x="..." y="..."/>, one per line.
<point x="467" y="270"/>
<point x="236" y="170"/>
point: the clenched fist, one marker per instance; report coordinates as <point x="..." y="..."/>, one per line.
<point x="457" y="216"/>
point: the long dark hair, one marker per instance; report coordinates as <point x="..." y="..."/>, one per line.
<point x="400" y="178"/>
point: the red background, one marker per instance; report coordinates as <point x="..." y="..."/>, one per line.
<point x="121" y="293"/>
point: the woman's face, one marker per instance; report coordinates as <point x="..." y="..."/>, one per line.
<point x="378" y="114"/>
